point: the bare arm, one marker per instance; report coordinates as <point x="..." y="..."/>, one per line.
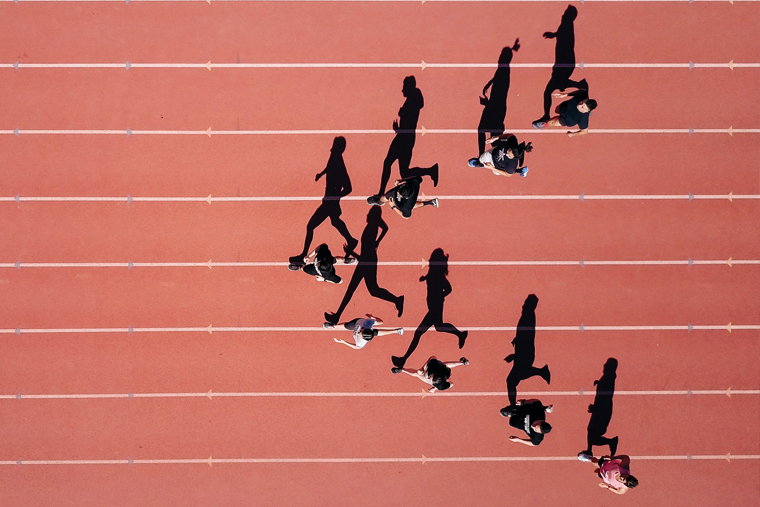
<point x="454" y="364"/>
<point x="581" y="132"/>
<point x="346" y="343"/>
<point x="524" y="441"/>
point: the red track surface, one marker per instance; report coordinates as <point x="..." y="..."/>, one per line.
<point x="271" y="362"/>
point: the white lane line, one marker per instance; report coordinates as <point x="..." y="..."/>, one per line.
<point x="294" y="329"/>
<point x="423" y="131"/>
<point x="422" y="65"/>
<point x="210" y="461"/>
<point x="422" y="263"/>
<point x="209" y="199"/>
<point x="394" y="1"/>
<point x="473" y="394"/>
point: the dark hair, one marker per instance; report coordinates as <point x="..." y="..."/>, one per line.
<point x="522" y="149"/>
<point x="441" y="384"/>
<point x="630" y="481"/>
<point x="591" y="103"/>
<point x="545" y="427"/>
<point x="405" y="190"/>
<point x="368" y="334"/>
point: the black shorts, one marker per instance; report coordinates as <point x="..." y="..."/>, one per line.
<point x="331" y="276"/>
<point x="351" y="324"/>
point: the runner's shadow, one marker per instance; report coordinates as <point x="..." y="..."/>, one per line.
<point x="337" y="186"/>
<point x="495" y="105"/>
<point x="438" y="287"/>
<point x="403" y="144"/>
<point x="525" y="350"/>
<point x="366" y="269"/>
<point x="601" y="409"/>
<point x="564" y="59"/>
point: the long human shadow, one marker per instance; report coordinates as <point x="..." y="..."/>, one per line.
<point x="403" y="144"/>
<point x="564" y="59"/>
<point x="438" y="287"/>
<point x="525" y="351"/>
<point x="601" y="410"/>
<point x="366" y="268"/>
<point x="495" y="105"/>
<point x="337" y="186"/>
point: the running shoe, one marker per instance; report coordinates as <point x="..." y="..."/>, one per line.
<point x="539" y="124"/>
<point x="328" y="325"/>
<point x="375" y="200"/>
<point x="582" y="456"/>
<point x="524" y="172"/>
<point x="474" y="162"/>
<point x="435" y="202"/>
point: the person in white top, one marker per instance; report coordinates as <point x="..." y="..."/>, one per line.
<point x="364" y="330"/>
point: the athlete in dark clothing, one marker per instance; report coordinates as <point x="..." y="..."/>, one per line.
<point x="402" y="145"/>
<point x="570" y="113"/>
<point x="321" y="264"/>
<point x="529" y="416"/>
<point x="435" y="372"/>
<point x="406" y="196"/>
<point x="505" y="158"/>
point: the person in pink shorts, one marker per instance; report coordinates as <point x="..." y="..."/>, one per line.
<point x="614" y="471"/>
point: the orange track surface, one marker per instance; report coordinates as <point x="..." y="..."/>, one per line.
<point x="315" y="427"/>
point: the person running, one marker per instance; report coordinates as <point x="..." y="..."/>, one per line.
<point x="529" y="416"/>
<point x="438" y="288"/>
<point x="506" y="156"/>
<point x="575" y="111"/>
<point x="337" y="186"/>
<point x="366" y="269"/>
<point x="364" y="330"/>
<point x="321" y="264"/>
<point x="402" y="145"/>
<point x="614" y="471"/>
<point x="406" y="196"/>
<point x="435" y="372"/>
<point x="495" y="104"/>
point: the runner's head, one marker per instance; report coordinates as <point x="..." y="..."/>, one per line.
<point x="368" y="334"/>
<point x="521" y="149"/>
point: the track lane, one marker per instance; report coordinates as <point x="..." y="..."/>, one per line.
<point x="273" y="32"/>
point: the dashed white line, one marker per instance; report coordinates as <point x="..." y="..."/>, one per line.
<point x="209" y="199"/>
<point x="423" y="131"/>
<point x="421" y="263"/>
<point x="210" y="461"/>
<point x="295" y="329"/>
<point x="459" y="394"/>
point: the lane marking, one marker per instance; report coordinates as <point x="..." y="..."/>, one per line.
<point x="422" y="65"/>
<point x="423" y="263"/>
<point x="210" y="461"/>
<point x="423" y="131"/>
<point x="209" y="199"/>
<point x="474" y="394"/>
<point x="295" y="329"/>
<point x="412" y="1"/>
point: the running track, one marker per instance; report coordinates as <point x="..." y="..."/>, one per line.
<point x="172" y="415"/>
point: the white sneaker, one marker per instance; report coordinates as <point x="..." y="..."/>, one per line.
<point x="400" y="330"/>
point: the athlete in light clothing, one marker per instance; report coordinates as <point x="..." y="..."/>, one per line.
<point x="364" y="330"/>
<point x="614" y="471"/>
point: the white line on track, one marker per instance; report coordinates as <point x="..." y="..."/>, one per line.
<point x="367" y="65"/>
<point x="422" y="263"/>
<point x="394" y="1"/>
<point x="210" y="461"/>
<point x="209" y="199"/>
<point x="423" y="131"/>
<point x="272" y="329"/>
<point x="210" y="395"/>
